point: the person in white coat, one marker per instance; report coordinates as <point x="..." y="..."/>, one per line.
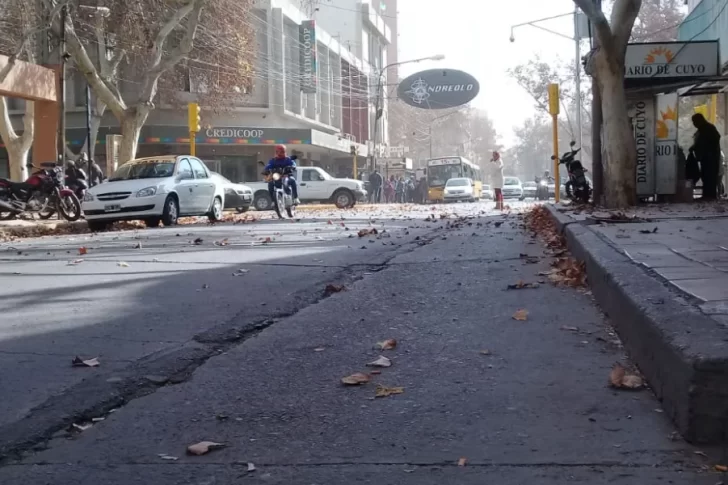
<point x="496" y="179"/>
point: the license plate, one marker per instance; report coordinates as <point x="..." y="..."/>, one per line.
<point x="112" y="208"/>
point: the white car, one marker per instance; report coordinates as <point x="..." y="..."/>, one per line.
<point x="487" y="192"/>
<point x="529" y="189"/>
<point x="155" y="189"/>
<point x="512" y="188"/>
<point x="459" y="189"/>
<point x="237" y="196"/>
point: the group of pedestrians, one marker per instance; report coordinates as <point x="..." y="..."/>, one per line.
<point x="396" y="190"/>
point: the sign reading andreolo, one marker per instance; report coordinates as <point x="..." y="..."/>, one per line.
<point x="438" y="89"/>
<point x="672" y="60"/>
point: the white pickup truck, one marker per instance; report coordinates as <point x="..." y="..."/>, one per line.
<point x="314" y="185"/>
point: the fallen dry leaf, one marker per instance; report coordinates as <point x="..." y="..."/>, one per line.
<point x="251" y="467"/>
<point x="223" y="242"/>
<point x="78" y="362"/>
<point x="331" y="289"/>
<point x="721" y="468"/>
<point x="82" y="250"/>
<point x="522" y="285"/>
<point x="74" y="262"/>
<point x="521" y="315"/>
<point x="388" y="344"/>
<point x="384" y="391"/>
<point x="122" y="264"/>
<point x="485" y="352"/>
<point x="462" y="461"/>
<point x="619" y="378"/>
<point x="569" y="328"/>
<point x="204" y="447"/>
<point x="355" y="379"/>
<point x="367" y="232"/>
<point x="197" y="241"/>
<point x="164" y="456"/>
<point x="81" y="427"/>
<point x="319" y="349"/>
<point x="380" y="362"/>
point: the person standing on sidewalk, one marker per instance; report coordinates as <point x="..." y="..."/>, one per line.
<point x="375" y="182"/>
<point x="496" y="179"/>
<point x="707" y="151"/>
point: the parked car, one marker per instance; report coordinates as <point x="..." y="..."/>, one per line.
<point x="237" y="196"/>
<point x="512" y="188"/>
<point x="314" y="185"/>
<point x="459" y="189"/>
<point x="155" y="189"/>
<point x="529" y="190"/>
<point x="487" y="192"/>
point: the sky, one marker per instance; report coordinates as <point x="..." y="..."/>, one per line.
<point x="474" y="37"/>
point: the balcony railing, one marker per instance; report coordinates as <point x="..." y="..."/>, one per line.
<point x="707" y="21"/>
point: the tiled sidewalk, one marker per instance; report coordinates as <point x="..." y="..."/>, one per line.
<point x="687" y="245"/>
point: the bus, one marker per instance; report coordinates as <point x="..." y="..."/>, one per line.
<point x="440" y="170"/>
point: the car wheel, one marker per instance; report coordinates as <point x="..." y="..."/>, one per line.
<point x="215" y="213"/>
<point x="152" y="222"/>
<point x="170" y="213"/>
<point x="263" y="202"/>
<point x="343" y="198"/>
<point x="98" y="226"/>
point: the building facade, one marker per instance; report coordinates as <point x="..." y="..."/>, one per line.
<point x="311" y="92"/>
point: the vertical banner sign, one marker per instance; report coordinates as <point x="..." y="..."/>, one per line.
<point x="642" y="114"/>
<point x="666" y="154"/>
<point x="307" y="34"/>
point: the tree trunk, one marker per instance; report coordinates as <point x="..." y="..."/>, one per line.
<point x="131" y="127"/>
<point x="17" y="147"/>
<point x="620" y="166"/>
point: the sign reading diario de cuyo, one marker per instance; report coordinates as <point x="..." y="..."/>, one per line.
<point x="438" y="89"/>
<point x="672" y="60"/>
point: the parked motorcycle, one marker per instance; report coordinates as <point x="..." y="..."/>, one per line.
<point x="76" y="181"/>
<point x="577" y="187"/>
<point x="282" y="194"/>
<point x="43" y="193"/>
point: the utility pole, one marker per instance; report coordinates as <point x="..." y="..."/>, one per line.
<point x="596" y="127"/>
<point x="62" y="88"/>
<point x="89" y="148"/>
<point x="577" y="78"/>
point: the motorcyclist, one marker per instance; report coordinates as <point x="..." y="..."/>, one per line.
<point x="281" y="160"/>
<point x="76" y="178"/>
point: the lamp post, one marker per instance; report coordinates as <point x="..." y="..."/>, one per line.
<point x="380" y="95"/>
<point x="432" y="123"/>
<point x="577" y="57"/>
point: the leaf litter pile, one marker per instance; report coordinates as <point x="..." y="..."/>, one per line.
<point x="565" y="270"/>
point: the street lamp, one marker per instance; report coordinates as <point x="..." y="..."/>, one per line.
<point x="438" y="118"/>
<point x="378" y="106"/>
<point x="577" y="58"/>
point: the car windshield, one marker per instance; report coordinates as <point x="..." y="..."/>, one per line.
<point x="511" y="181"/>
<point x="148" y="169"/>
<point x="457" y="183"/>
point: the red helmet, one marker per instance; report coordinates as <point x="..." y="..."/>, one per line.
<point x="280" y="151"/>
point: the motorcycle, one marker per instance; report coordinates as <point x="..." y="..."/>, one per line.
<point x="542" y="189"/>
<point x="77" y="183"/>
<point x="282" y="194"/>
<point x="43" y="193"/>
<point x="577" y="187"/>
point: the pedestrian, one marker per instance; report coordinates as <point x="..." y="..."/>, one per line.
<point x="707" y="150"/>
<point x="389" y="189"/>
<point x="409" y="191"/>
<point x="96" y="175"/>
<point x="496" y="179"/>
<point x="375" y="183"/>
<point x="399" y="191"/>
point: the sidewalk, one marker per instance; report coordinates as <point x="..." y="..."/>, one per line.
<point x="484" y="398"/>
<point x="661" y="273"/>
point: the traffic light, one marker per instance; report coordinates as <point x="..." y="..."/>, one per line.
<point x="193" y="117"/>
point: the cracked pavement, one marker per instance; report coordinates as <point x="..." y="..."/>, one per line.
<point x="255" y="362"/>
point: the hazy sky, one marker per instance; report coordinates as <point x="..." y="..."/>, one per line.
<point x="474" y="36"/>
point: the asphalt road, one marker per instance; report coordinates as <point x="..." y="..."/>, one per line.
<point x="192" y="348"/>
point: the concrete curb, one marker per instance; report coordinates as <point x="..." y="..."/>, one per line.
<point x="682" y="353"/>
